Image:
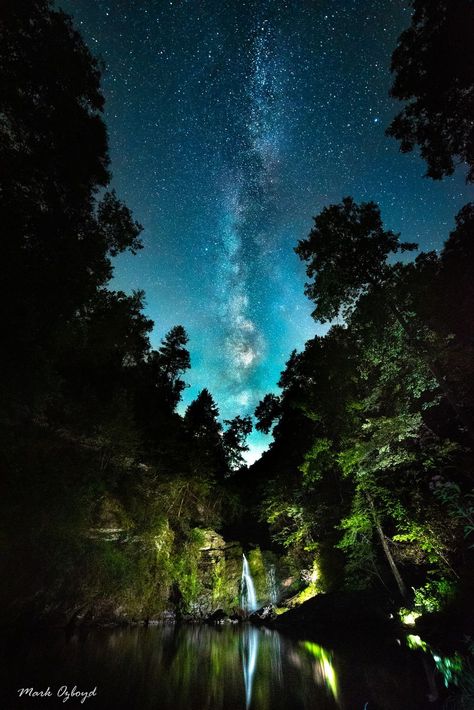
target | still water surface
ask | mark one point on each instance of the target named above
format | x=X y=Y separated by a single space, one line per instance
x=213 y=668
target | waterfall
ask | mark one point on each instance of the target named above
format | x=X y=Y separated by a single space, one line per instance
x=248 y=598
x=272 y=585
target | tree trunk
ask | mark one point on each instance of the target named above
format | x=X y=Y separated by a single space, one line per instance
x=393 y=566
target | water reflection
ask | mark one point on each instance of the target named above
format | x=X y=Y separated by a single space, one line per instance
x=450 y=667
x=324 y=672
x=248 y=653
x=216 y=668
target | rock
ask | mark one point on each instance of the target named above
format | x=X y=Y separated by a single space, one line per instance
x=337 y=614
x=268 y=612
x=263 y=615
x=238 y=616
x=217 y=617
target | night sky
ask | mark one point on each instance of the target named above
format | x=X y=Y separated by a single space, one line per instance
x=232 y=123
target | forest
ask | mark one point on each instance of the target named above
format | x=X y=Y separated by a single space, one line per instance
x=109 y=496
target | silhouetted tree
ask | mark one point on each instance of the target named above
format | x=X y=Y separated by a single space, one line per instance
x=90 y=432
x=203 y=426
x=267 y=412
x=173 y=360
x=157 y=391
x=234 y=441
x=98 y=357
x=346 y=254
x=455 y=302
x=433 y=66
x=54 y=161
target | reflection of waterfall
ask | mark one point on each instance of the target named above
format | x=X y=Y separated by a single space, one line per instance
x=272 y=584
x=276 y=656
x=248 y=598
x=249 y=650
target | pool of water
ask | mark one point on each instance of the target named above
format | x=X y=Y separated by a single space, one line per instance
x=211 y=668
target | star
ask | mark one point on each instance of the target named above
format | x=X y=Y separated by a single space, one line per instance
x=230 y=126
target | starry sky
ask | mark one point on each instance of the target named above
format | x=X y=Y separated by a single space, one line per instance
x=231 y=124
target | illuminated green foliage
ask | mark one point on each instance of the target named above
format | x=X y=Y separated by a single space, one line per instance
x=450 y=667
x=385 y=404
x=434 y=595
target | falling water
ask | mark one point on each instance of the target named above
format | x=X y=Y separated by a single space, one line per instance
x=248 y=598
x=272 y=584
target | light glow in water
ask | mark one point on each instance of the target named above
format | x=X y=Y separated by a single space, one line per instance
x=249 y=652
x=450 y=667
x=325 y=664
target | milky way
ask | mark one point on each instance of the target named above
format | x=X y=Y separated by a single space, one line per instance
x=248 y=207
x=232 y=123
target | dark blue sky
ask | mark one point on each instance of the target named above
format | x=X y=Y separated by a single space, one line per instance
x=232 y=123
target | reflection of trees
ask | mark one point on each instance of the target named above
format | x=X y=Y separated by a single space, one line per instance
x=324 y=672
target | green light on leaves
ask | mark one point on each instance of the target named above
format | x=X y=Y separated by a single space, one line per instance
x=450 y=667
x=415 y=642
x=408 y=617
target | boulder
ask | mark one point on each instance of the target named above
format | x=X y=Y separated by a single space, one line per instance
x=338 y=615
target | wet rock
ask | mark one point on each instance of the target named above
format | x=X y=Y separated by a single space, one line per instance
x=263 y=615
x=217 y=617
x=268 y=612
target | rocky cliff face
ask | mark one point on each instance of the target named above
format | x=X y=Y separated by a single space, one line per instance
x=132 y=579
x=219 y=568
x=219 y=574
x=138 y=547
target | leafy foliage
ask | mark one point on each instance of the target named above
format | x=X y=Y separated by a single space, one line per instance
x=346 y=253
x=388 y=405
x=434 y=73
x=105 y=482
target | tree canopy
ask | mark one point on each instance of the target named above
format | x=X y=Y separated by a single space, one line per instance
x=433 y=69
x=60 y=227
x=346 y=254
